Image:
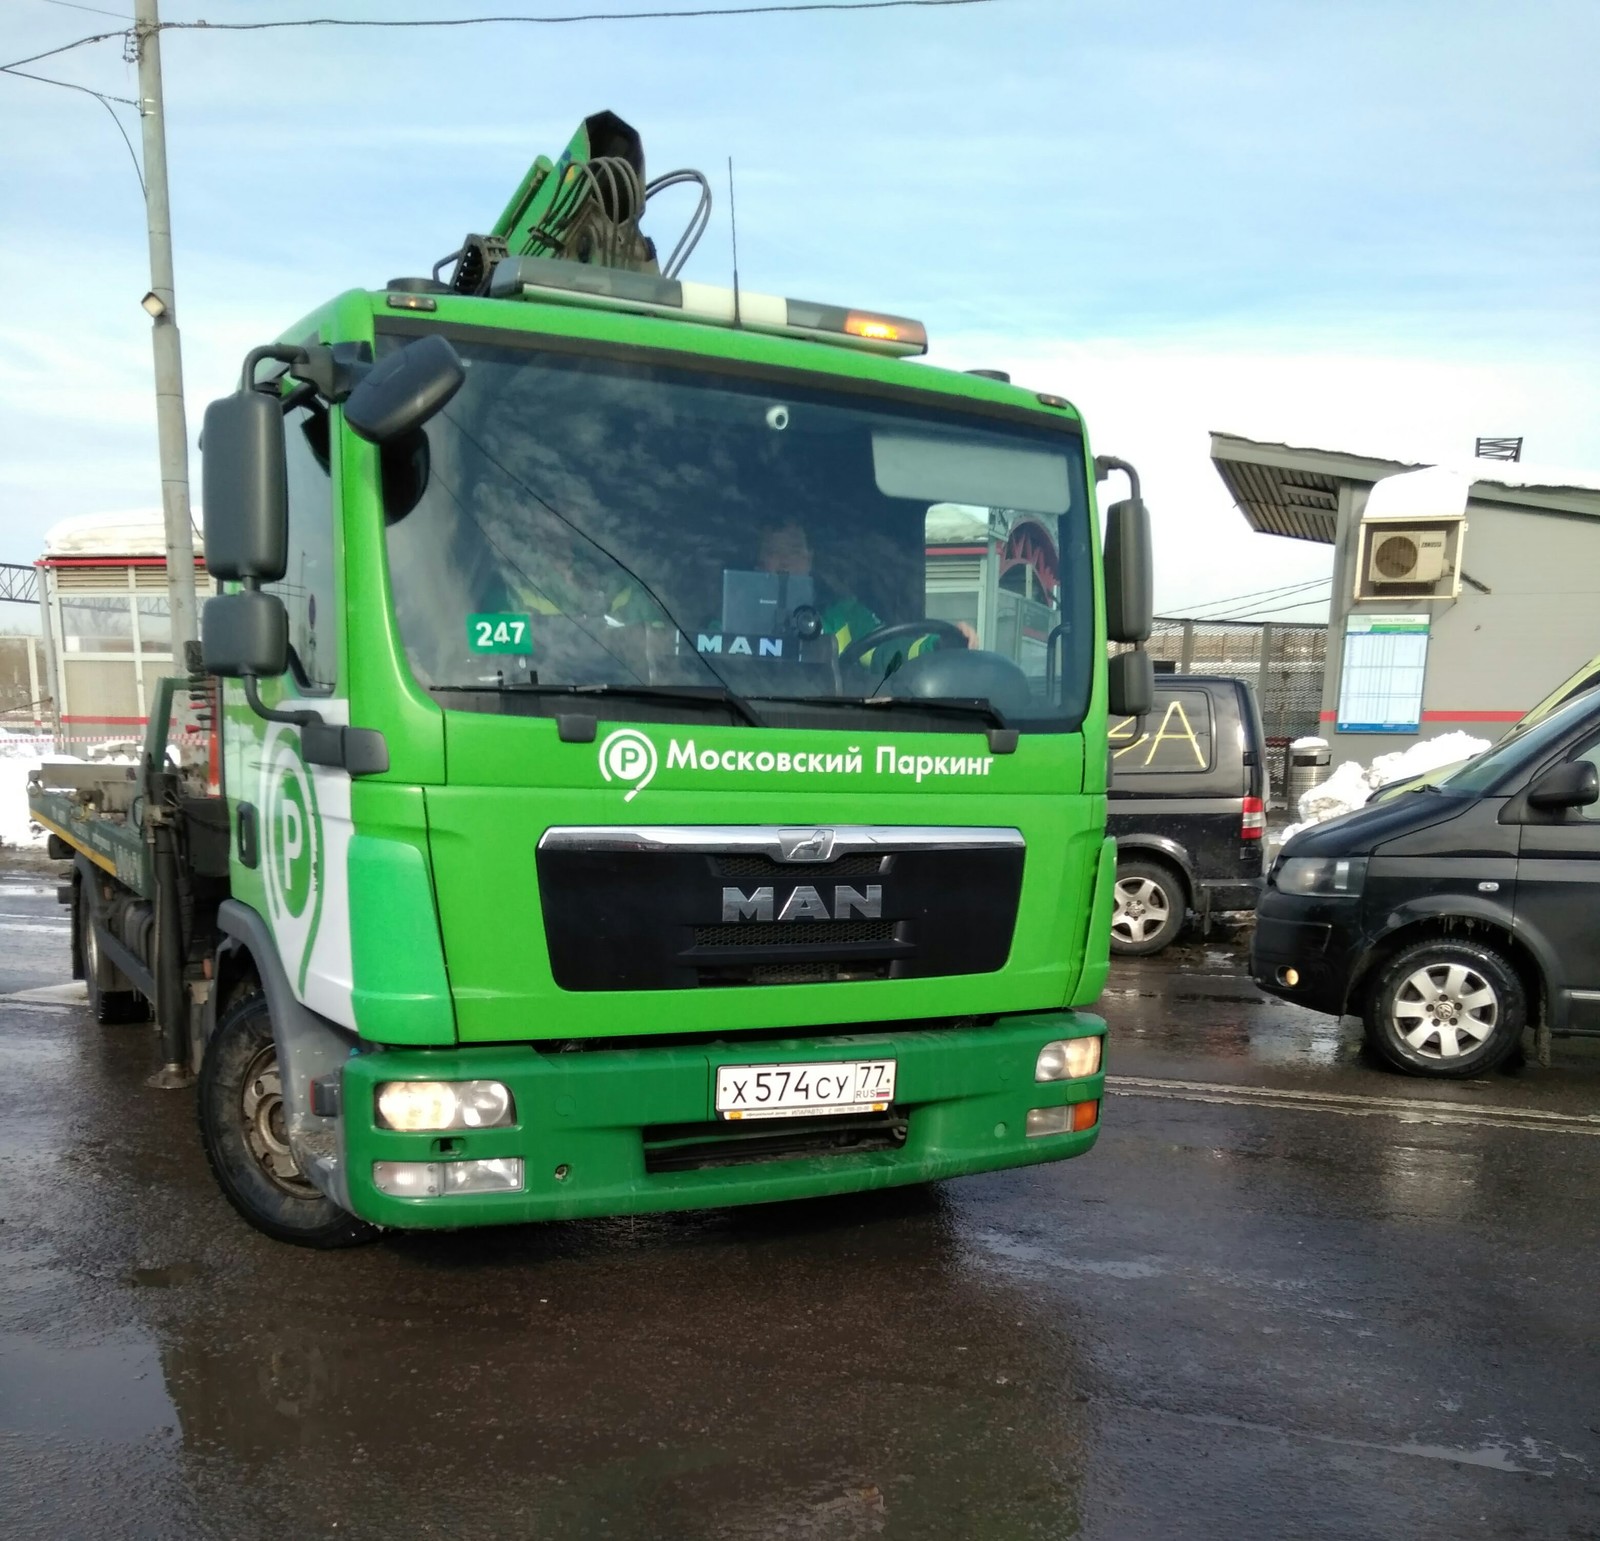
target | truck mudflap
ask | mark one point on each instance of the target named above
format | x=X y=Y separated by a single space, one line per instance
x=634 y=1130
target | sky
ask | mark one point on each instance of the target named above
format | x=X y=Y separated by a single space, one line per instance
x=1366 y=226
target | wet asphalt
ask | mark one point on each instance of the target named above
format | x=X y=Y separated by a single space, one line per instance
x=1288 y=1295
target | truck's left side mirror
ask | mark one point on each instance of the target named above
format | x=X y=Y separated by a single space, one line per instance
x=1130 y=577
x=1130 y=684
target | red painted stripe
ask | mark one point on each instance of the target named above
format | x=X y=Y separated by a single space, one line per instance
x=130 y=722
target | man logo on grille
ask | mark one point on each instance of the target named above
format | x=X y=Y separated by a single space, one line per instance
x=628 y=756
x=805 y=844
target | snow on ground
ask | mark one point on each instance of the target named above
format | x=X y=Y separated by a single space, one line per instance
x=20 y=753
x=1351 y=784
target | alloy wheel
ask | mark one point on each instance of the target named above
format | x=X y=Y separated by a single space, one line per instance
x=1445 y=1010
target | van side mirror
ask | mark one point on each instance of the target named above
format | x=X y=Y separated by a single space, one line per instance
x=1130 y=572
x=1130 y=684
x=244 y=635
x=1572 y=785
x=401 y=392
x=245 y=486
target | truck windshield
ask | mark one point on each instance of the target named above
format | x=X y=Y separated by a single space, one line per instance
x=582 y=523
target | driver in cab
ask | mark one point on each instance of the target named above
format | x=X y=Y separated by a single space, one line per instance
x=786 y=550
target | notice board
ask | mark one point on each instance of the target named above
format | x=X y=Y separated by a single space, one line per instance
x=1380 y=683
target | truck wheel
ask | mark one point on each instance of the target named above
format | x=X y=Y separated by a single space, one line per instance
x=1150 y=905
x=240 y=1104
x=108 y=1006
x=1450 y=1009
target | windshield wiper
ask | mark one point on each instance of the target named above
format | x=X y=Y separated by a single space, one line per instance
x=982 y=710
x=694 y=695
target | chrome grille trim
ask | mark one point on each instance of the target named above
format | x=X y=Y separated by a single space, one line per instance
x=777 y=840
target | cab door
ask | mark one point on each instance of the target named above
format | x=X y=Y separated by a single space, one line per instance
x=1558 y=897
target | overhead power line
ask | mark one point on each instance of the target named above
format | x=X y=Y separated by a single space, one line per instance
x=684 y=13
x=1260 y=596
x=101 y=97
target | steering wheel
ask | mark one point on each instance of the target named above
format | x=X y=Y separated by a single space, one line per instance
x=910 y=630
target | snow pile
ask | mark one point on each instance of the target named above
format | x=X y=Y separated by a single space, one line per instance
x=1350 y=785
x=1430 y=755
x=20 y=754
x=1308 y=743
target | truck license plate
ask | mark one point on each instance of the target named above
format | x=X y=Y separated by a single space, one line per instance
x=793 y=1091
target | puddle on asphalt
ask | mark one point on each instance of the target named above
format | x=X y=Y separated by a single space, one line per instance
x=112 y=1392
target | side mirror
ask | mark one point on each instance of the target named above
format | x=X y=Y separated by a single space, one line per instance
x=1572 y=785
x=1130 y=684
x=400 y=393
x=245 y=484
x=244 y=635
x=1130 y=574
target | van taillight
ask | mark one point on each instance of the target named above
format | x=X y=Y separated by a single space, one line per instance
x=1253 y=821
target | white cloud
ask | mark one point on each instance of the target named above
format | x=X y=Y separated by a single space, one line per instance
x=1155 y=404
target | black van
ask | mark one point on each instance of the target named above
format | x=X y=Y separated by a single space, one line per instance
x=1452 y=916
x=1186 y=804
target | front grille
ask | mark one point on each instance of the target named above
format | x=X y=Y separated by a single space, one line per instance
x=796 y=933
x=693 y=1147
x=858 y=864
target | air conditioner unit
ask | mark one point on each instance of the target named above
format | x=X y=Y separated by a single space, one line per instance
x=1405 y=556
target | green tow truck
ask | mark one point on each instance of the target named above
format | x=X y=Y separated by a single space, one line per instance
x=585 y=800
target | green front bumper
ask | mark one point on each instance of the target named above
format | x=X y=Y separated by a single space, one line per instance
x=600 y=1118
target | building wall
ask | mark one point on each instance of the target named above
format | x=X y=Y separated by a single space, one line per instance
x=1490 y=656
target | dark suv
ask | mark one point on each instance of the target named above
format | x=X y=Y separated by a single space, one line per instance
x=1452 y=916
x=1186 y=806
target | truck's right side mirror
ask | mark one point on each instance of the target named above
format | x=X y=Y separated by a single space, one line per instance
x=245 y=635
x=245 y=484
x=1130 y=684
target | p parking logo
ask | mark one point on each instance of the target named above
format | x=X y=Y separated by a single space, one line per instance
x=629 y=757
x=292 y=850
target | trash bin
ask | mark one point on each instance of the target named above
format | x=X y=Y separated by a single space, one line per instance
x=1309 y=759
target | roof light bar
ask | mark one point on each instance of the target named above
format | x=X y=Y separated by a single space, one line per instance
x=575 y=283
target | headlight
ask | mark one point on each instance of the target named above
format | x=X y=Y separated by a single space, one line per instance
x=413 y=1106
x=1333 y=876
x=1068 y=1058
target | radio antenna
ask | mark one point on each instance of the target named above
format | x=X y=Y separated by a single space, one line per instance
x=733 y=228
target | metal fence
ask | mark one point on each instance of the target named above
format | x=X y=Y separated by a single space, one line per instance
x=1283 y=661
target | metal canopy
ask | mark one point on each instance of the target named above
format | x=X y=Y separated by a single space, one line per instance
x=1287 y=490
x=1282 y=490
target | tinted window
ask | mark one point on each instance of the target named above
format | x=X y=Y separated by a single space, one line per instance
x=307 y=589
x=1516 y=754
x=1175 y=737
x=591 y=523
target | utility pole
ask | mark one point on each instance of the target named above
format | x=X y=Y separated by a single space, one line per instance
x=171 y=429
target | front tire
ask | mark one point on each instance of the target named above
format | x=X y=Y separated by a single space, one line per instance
x=1447 y=1009
x=242 y=1126
x=1149 y=904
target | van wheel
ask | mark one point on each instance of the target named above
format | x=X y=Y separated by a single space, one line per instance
x=1149 y=908
x=108 y=1006
x=1449 y=1009
x=243 y=1129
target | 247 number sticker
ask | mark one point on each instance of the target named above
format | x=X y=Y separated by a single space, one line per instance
x=498 y=634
